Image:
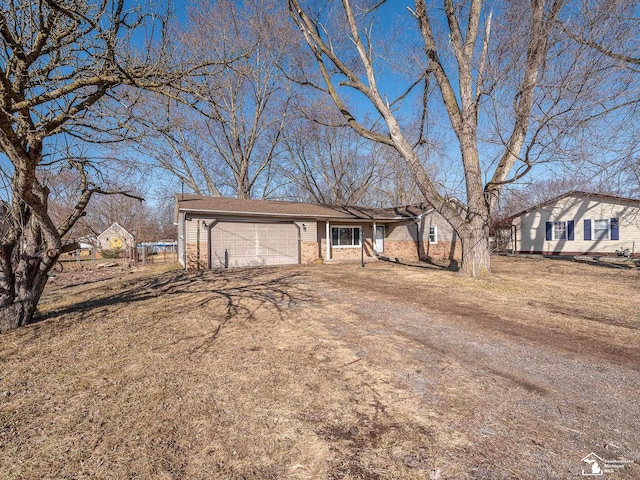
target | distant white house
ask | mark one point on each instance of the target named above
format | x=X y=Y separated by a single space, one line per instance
x=579 y=223
x=115 y=238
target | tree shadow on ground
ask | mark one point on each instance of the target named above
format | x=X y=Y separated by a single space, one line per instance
x=243 y=291
x=425 y=263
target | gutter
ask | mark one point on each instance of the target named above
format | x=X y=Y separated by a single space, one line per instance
x=184 y=242
x=419 y=217
x=297 y=215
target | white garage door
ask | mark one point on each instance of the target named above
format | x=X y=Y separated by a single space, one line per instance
x=252 y=244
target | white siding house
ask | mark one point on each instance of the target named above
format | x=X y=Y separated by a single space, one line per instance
x=579 y=223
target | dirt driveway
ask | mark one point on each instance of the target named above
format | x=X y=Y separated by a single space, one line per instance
x=328 y=372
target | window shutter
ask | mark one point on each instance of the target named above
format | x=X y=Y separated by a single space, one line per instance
x=587 y=229
x=570 y=230
x=615 y=230
x=549 y=231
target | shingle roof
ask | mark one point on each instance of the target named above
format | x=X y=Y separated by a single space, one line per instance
x=274 y=208
x=572 y=193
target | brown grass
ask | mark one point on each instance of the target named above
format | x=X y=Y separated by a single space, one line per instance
x=325 y=372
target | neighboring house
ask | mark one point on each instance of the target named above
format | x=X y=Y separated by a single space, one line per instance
x=217 y=232
x=578 y=223
x=115 y=238
x=84 y=248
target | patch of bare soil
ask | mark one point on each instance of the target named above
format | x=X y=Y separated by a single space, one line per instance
x=326 y=372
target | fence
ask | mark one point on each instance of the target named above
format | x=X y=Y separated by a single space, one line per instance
x=140 y=255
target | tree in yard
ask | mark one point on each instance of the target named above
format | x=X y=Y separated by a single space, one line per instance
x=225 y=138
x=331 y=164
x=506 y=81
x=145 y=221
x=65 y=70
x=610 y=29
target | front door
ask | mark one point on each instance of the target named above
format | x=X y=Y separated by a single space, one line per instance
x=378 y=244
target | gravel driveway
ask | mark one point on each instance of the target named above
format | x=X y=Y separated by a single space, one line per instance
x=518 y=400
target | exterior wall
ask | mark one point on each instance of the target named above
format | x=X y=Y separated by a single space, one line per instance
x=407 y=250
x=193 y=255
x=410 y=240
x=194 y=226
x=407 y=241
x=309 y=252
x=530 y=228
x=345 y=252
x=444 y=250
x=308 y=230
x=309 y=247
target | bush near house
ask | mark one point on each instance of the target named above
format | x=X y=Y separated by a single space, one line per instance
x=112 y=253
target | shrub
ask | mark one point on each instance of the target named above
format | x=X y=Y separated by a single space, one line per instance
x=115 y=253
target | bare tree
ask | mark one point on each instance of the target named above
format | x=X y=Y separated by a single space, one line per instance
x=65 y=66
x=228 y=138
x=396 y=186
x=611 y=30
x=503 y=78
x=331 y=164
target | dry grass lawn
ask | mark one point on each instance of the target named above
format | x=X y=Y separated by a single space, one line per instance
x=329 y=372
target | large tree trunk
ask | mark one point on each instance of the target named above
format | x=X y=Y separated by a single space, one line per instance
x=19 y=309
x=476 y=254
x=30 y=248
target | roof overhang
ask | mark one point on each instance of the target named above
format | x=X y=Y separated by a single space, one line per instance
x=301 y=216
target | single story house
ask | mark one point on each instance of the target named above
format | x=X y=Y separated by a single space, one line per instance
x=218 y=232
x=578 y=223
x=115 y=238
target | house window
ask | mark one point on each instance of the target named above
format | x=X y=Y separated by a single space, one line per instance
x=345 y=236
x=601 y=229
x=433 y=234
x=559 y=230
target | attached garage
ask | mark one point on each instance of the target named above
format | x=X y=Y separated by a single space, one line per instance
x=246 y=244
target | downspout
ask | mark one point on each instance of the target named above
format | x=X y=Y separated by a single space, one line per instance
x=184 y=241
x=198 y=244
x=419 y=217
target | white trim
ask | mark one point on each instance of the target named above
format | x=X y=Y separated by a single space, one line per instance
x=553 y=230
x=328 y=239
x=593 y=229
x=374 y=237
x=435 y=234
x=352 y=227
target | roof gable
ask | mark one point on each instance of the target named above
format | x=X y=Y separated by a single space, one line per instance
x=117 y=229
